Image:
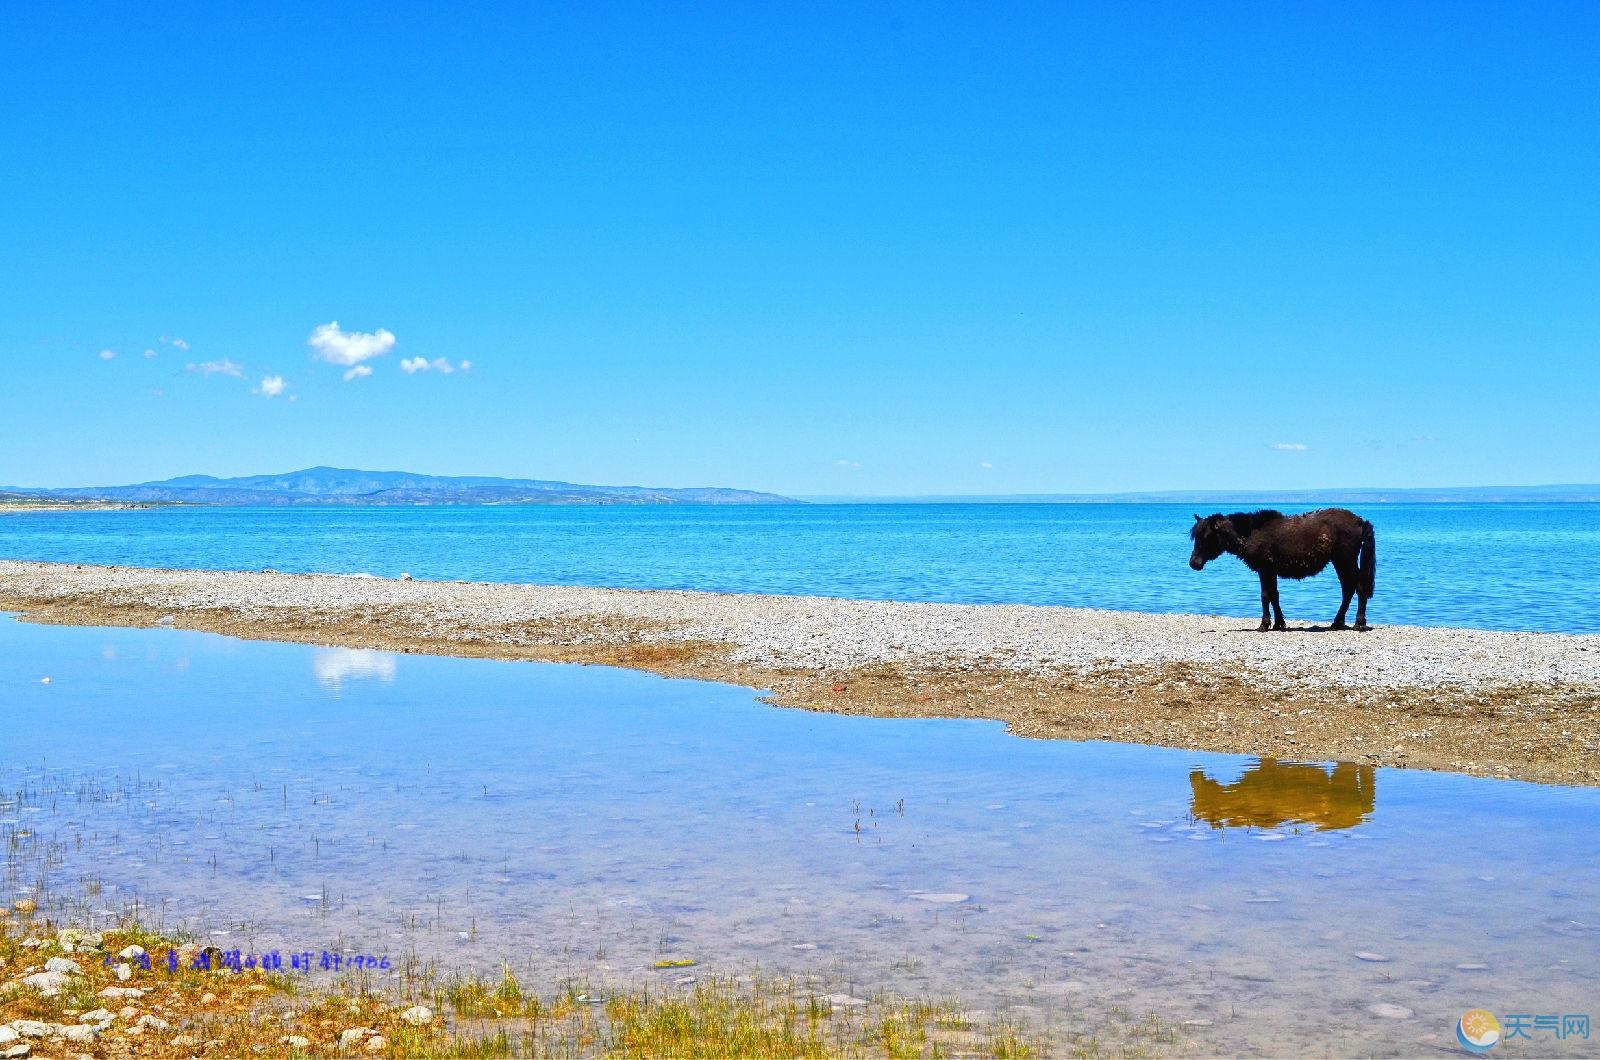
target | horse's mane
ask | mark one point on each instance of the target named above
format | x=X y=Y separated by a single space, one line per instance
x=1245 y=523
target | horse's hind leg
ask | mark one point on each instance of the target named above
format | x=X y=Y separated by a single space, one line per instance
x=1361 y=612
x=1347 y=586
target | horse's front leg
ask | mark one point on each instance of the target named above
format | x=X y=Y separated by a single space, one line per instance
x=1277 y=607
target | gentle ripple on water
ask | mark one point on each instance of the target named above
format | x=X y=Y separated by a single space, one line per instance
x=582 y=820
x=1487 y=566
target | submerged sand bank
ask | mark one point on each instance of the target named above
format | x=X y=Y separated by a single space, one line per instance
x=1523 y=705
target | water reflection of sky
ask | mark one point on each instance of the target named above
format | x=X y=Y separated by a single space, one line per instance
x=588 y=820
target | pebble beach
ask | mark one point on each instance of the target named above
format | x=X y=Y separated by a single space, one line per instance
x=1502 y=704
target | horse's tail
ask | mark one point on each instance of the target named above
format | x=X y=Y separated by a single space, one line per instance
x=1367 y=560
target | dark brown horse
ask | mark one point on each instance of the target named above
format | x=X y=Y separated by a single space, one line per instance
x=1275 y=545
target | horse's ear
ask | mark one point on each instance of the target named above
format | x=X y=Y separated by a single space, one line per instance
x=1197 y=519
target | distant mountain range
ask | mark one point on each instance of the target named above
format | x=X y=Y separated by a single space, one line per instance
x=337 y=486
x=1560 y=494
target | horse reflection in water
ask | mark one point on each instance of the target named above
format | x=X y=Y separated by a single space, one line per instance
x=1272 y=793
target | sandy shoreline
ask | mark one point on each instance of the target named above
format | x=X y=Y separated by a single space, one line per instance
x=1523 y=705
x=22 y=507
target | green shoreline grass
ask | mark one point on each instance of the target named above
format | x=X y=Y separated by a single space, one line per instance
x=428 y=1014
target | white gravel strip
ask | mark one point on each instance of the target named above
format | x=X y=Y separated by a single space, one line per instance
x=830 y=634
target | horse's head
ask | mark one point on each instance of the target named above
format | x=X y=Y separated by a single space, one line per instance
x=1211 y=537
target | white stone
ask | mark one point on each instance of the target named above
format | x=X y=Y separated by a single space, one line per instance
x=62 y=965
x=132 y=953
x=98 y=1015
x=1384 y=1010
x=417 y=1015
x=47 y=983
x=114 y=992
x=355 y=1036
x=843 y=1000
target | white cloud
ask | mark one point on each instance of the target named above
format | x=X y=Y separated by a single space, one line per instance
x=413 y=365
x=466 y=366
x=1290 y=447
x=985 y=465
x=222 y=367
x=842 y=462
x=347 y=348
x=106 y=355
x=271 y=386
x=149 y=354
x=333 y=666
x=360 y=371
x=177 y=344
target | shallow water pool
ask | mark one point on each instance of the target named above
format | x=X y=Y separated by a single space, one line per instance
x=585 y=821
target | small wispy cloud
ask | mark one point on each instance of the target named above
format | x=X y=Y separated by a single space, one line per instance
x=337 y=346
x=986 y=465
x=360 y=371
x=413 y=365
x=106 y=355
x=175 y=343
x=842 y=462
x=334 y=666
x=271 y=386
x=222 y=367
x=149 y=354
x=1289 y=447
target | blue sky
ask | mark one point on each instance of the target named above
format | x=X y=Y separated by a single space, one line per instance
x=818 y=249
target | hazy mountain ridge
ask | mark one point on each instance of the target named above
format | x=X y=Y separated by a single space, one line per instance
x=328 y=486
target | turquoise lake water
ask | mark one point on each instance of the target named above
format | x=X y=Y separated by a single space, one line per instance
x=586 y=822
x=1489 y=566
